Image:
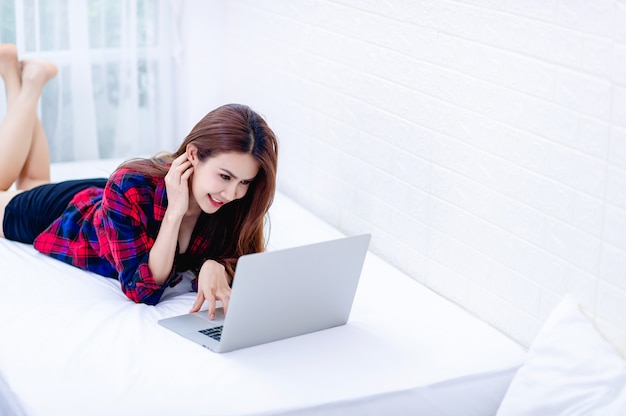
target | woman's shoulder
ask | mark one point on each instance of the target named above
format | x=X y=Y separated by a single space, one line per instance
x=131 y=175
x=131 y=187
x=126 y=179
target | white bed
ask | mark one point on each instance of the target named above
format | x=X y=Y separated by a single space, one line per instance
x=73 y=344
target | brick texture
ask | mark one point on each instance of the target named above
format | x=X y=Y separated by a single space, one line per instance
x=482 y=142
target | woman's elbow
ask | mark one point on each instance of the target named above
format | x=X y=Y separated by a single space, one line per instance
x=139 y=292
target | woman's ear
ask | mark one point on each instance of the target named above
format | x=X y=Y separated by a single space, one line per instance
x=192 y=154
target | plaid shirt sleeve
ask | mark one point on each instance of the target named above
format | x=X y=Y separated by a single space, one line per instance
x=130 y=228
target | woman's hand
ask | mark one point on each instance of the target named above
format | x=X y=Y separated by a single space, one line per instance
x=177 y=185
x=213 y=285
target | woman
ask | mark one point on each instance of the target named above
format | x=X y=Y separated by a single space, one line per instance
x=199 y=208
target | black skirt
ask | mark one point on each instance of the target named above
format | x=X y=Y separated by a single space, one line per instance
x=30 y=212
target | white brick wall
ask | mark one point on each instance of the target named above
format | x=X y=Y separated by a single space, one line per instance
x=482 y=142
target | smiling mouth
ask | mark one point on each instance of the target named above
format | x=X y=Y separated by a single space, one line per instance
x=215 y=202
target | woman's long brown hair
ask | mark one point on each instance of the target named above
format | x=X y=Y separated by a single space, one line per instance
x=237 y=227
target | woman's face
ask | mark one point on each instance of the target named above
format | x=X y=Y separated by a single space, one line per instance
x=220 y=179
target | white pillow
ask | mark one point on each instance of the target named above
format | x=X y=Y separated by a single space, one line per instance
x=570 y=370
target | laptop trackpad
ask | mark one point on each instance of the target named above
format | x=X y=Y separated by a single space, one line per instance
x=204 y=315
x=193 y=322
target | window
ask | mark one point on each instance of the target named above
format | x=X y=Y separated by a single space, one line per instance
x=115 y=93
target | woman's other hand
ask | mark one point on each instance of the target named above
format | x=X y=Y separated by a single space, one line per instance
x=177 y=185
x=213 y=285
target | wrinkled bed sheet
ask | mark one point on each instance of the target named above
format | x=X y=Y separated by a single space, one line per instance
x=73 y=344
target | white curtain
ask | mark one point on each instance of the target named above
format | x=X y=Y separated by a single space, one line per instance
x=116 y=92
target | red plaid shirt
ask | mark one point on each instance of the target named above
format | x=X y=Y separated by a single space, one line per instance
x=110 y=231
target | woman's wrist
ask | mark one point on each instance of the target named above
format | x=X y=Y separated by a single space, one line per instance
x=173 y=216
x=217 y=267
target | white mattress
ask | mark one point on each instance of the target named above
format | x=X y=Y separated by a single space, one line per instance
x=73 y=344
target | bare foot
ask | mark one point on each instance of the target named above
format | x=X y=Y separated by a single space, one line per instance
x=9 y=65
x=37 y=72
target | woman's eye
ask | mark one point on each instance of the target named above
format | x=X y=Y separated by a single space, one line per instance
x=244 y=182
x=225 y=177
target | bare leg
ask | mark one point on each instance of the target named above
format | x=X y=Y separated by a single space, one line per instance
x=22 y=142
x=23 y=145
x=11 y=72
x=36 y=169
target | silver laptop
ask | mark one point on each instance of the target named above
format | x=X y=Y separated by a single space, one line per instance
x=281 y=294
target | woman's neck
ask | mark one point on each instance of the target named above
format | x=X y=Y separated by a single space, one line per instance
x=193 y=212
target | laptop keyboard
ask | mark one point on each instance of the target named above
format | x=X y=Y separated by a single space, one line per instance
x=215 y=333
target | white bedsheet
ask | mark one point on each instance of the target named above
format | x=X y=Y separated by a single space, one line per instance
x=72 y=344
